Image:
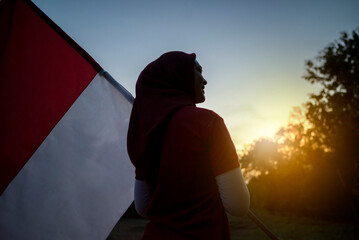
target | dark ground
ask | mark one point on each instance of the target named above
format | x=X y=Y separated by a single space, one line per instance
x=284 y=226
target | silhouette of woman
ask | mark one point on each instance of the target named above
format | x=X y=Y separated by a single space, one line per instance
x=187 y=169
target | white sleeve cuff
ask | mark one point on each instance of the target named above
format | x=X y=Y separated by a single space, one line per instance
x=234 y=192
x=141 y=197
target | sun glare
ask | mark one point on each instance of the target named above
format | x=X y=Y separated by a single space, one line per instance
x=265 y=130
x=244 y=136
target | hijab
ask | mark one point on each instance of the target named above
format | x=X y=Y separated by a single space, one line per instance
x=163 y=87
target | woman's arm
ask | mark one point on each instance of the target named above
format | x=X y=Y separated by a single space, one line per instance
x=141 y=197
x=234 y=192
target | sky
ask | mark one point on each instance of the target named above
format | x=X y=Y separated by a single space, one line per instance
x=253 y=53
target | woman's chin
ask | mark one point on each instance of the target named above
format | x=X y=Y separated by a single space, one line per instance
x=201 y=100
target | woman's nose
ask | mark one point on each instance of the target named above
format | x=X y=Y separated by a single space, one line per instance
x=204 y=81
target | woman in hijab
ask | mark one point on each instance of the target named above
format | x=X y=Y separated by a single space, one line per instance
x=187 y=169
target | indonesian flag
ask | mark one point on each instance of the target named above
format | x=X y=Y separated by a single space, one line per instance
x=64 y=168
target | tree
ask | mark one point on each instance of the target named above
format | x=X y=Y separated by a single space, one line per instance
x=260 y=157
x=334 y=111
x=336 y=106
x=312 y=166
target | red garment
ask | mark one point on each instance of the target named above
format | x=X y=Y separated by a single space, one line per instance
x=186 y=203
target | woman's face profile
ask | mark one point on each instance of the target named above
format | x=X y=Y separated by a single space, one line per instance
x=199 y=83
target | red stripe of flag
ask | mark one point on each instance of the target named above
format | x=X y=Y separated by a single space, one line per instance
x=42 y=72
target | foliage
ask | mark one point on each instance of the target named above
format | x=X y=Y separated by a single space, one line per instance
x=312 y=165
x=335 y=109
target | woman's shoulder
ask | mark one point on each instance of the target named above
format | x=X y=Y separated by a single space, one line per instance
x=193 y=112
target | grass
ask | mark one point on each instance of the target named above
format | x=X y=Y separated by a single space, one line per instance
x=292 y=228
x=286 y=227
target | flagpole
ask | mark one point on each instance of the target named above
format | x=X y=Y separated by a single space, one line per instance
x=262 y=226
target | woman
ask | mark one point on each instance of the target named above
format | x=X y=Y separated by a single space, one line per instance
x=187 y=170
